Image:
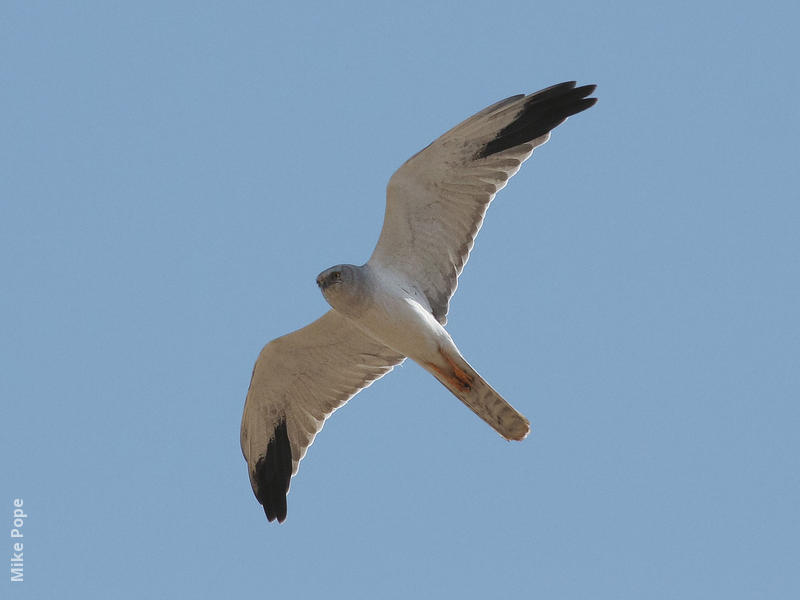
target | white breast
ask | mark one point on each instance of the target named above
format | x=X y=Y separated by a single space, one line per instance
x=399 y=317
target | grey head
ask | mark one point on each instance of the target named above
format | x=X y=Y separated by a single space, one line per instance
x=342 y=287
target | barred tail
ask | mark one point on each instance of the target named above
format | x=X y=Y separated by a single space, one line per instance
x=468 y=386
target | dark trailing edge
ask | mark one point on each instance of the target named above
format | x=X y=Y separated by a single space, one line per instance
x=540 y=113
x=273 y=473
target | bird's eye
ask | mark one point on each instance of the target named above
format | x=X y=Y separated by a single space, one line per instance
x=337 y=275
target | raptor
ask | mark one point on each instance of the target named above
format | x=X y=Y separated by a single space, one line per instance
x=395 y=305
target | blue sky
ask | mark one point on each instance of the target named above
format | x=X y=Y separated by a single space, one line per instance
x=176 y=174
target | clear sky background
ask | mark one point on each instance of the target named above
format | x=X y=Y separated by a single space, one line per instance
x=174 y=177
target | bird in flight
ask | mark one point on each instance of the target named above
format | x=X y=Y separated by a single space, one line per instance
x=395 y=305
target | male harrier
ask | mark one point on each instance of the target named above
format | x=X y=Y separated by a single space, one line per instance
x=394 y=307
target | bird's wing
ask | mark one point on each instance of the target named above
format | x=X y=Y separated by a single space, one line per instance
x=298 y=381
x=436 y=201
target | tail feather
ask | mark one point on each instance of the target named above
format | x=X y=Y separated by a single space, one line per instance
x=468 y=386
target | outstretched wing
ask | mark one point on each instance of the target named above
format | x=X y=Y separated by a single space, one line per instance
x=436 y=201
x=298 y=381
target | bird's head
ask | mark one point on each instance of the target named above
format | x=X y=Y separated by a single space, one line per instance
x=334 y=276
x=339 y=285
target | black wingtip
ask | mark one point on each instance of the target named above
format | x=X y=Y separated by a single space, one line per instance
x=273 y=473
x=541 y=112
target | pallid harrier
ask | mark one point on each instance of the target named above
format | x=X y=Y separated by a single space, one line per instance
x=395 y=306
